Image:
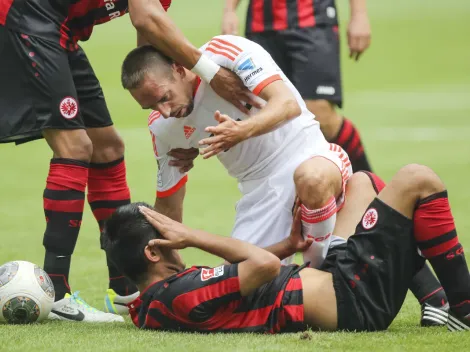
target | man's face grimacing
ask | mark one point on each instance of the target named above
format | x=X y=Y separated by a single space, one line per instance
x=170 y=93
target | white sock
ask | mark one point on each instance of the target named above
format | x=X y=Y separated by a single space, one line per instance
x=319 y=225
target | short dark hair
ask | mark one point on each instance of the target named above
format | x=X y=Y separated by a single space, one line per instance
x=141 y=61
x=125 y=236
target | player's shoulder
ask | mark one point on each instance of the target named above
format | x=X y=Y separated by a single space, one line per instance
x=159 y=125
x=230 y=48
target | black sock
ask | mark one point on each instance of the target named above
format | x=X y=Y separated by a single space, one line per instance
x=436 y=237
x=59 y=267
x=64 y=199
x=349 y=139
x=427 y=289
x=118 y=282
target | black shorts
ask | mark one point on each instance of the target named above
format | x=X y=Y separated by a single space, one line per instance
x=309 y=57
x=43 y=86
x=373 y=270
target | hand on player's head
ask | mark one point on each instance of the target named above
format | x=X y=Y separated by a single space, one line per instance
x=175 y=235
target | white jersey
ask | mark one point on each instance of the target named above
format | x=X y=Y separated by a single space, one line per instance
x=253 y=159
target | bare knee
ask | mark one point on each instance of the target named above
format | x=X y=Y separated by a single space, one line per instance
x=419 y=181
x=69 y=144
x=325 y=113
x=316 y=185
x=360 y=181
x=107 y=144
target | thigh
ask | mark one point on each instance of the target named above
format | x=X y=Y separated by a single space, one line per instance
x=39 y=91
x=93 y=106
x=315 y=62
x=373 y=272
x=264 y=216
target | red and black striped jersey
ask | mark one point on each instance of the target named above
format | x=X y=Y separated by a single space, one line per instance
x=278 y=15
x=66 y=21
x=208 y=300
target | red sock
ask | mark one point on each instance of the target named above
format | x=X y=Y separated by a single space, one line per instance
x=64 y=199
x=350 y=140
x=436 y=237
x=108 y=190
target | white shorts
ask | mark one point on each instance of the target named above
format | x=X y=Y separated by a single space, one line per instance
x=264 y=213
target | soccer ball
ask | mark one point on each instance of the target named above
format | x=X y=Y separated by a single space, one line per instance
x=26 y=293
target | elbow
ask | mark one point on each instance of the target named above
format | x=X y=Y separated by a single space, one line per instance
x=269 y=266
x=293 y=108
x=140 y=22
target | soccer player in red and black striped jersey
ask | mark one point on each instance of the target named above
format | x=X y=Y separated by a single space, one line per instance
x=363 y=290
x=302 y=37
x=48 y=90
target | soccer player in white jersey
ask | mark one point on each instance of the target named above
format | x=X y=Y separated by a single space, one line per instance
x=275 y=153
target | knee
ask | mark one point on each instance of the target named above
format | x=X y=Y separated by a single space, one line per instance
x=109 y=148
x=420 y=180
x=359 y=180
x=73 y=144
x=313 y=188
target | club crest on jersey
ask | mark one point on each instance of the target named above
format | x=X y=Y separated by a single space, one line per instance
x=210 y=273
x=370 y=218
x=248 y=64
x=188 y=131
x=68 y=108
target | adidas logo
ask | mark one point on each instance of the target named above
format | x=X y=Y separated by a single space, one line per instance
x=188 y=131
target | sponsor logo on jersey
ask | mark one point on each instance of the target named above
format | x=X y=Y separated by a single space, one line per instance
x=110 y=6
x=210 y=273
x=253 y=74
x=246 y=65
x=326 y=90
x=188 y=131
x=68 y=108
x=370 y=218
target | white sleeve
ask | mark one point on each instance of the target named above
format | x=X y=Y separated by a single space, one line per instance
x=253 y=64
x=169 y=178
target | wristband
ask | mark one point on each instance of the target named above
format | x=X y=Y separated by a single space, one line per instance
x=205 y=68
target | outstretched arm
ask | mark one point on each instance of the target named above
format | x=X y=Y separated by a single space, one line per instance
x=255 y=265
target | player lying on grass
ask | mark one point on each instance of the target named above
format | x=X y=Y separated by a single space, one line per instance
x=275 y=152
x=363 y=291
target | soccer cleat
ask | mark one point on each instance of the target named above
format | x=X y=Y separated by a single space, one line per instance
x=455 y=323
x=113 y=303
x=74 y=308
x=432 y=316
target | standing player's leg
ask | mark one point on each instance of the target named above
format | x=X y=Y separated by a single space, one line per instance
x=418 y=193
x=107 y=184
x=320 y=183
x=316 y=73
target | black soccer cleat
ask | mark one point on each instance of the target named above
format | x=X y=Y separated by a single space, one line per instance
x=455 y=323
x=433 y=316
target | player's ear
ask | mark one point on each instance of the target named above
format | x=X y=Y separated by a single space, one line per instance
x=179 y=69
x=152 y=254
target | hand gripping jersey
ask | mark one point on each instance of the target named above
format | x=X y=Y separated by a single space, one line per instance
x=208 y=299
x=253 y=159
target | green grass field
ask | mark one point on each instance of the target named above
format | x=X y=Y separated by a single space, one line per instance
x=410 y=97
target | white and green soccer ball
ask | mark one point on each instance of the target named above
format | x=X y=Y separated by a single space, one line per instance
x=26 y=293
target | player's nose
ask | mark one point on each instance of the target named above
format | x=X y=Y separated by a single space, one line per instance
x=165 y=110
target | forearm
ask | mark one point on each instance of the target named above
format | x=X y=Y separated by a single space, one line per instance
x=358 y=7
x=153 y=23
x=232 y=250
x=273 y=114
x=231 y=5
x=282 y=249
